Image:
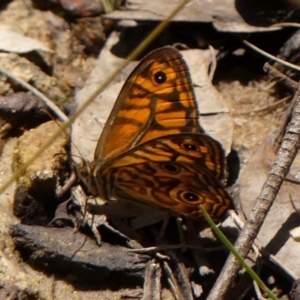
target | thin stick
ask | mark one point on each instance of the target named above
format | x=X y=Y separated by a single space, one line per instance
x=279 y=77
x=292 y=180
x=281 y=61
x=269 y=107
x=284 y=158
x=176 y=246
x=286 y=24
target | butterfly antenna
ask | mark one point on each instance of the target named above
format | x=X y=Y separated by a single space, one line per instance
x=80 y=156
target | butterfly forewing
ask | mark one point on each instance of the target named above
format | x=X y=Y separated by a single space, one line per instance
x=156 y=100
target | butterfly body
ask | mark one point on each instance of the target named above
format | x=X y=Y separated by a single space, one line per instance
x=153 y=150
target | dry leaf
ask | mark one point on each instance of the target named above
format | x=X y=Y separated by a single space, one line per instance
x=11 y=41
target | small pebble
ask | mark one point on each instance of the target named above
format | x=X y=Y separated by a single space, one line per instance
x=82 y=8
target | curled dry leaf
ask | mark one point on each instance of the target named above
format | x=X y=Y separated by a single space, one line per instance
x=11 y=41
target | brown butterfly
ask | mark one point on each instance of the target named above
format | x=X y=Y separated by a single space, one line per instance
x=152 y=148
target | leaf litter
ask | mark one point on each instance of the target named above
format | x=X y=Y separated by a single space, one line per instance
x=240 y=86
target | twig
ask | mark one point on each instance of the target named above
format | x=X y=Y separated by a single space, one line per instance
x=181 y=234
x=176 y=246
x=281 y=61
x=284 y=158
x=268 y=107
x=295 y=181
x=279 y=77
x=286 y=24
x=202 y=261
x=183 y=277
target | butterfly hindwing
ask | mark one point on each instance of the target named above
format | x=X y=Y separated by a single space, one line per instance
x=192 y=148
x=178 y=187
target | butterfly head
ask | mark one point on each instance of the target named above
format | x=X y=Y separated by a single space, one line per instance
x=85 y=173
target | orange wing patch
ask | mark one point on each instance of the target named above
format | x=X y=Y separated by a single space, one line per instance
x=157 y=99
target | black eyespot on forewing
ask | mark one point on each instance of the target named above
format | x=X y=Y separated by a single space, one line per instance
x=160 y=77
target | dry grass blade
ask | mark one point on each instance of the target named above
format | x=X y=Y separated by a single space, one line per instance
x=285 y=63
x=285 y=156
x=267 y=108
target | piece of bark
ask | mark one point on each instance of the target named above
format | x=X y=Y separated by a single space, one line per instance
x=77 y=257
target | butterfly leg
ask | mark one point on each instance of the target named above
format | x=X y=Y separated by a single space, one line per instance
x=164 y=227
x=87 y=219
x=95 y=212
x=180 y=231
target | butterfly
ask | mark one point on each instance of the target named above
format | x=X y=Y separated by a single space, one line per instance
x=153 y=150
